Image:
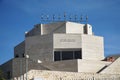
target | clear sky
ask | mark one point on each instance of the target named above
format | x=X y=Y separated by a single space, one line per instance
x=18 y=16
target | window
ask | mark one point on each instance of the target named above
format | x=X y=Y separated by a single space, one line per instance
x=16 y=56
x=57 y=55
x=8 y=74
x=85 y=29
x=77 y=55
x=23 y=55
x=67 y=55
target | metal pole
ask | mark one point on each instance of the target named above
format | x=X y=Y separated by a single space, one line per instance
x=27 y=56
x=20 y=69
x=26 y=67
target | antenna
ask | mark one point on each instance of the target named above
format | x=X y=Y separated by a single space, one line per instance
x=70 y=17
x=41 y=17
x=75 y=17
x=53 y=17
x=47 y=17
x=59 y=17
x=81 y=18
x=65 y=16
x=86 y=18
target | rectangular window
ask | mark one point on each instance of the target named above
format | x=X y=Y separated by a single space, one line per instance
x=66 y=55
x=78 y=55
x=57 y=56
x=16 y=56
x=23 y=55
x=8 y=75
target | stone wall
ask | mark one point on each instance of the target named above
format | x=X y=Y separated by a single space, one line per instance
x=57 y=75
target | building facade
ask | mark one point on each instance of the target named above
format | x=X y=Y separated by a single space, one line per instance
x=60 y=46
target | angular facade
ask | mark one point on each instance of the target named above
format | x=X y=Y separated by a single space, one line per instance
x=61 y=41
x=60 y=46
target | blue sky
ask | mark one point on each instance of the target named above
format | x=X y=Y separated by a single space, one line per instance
x=18 y=16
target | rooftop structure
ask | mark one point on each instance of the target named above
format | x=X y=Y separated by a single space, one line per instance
x=61 y=38
x=60 y=46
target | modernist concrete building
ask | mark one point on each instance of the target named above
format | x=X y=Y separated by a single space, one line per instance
x=61 y=50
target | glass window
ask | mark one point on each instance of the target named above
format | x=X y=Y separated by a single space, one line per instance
x=67 y=55
x=57 y=55
x=77 y=55
x=23 y=55
x=16 y=56
x=8 y=75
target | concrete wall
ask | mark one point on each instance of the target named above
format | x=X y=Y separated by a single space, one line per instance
x=92 y=47
x=91 y=66
x=66 y=65
x=35 y=31
x=60 y=29
x=67 y=41
x=113 y=68
x=7 y=67
x=40 y=47
x=19 y=49
x=52 y=27
x=76 y=65
x=74 y=28
x=57 y=27
x=19 y=66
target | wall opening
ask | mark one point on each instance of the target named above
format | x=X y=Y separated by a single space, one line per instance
x=85 y=29
x=8 y=74
x=67 y=55
x=16 y=56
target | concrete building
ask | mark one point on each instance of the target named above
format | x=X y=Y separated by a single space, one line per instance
x=60 y=47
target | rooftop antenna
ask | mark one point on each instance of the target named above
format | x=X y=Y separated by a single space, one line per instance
x=53 y=17
x=59 y=17
x=42 y=17
x=70 y=17
x=47 y=17
x=65 y=16
x=81 y=18
x=86 y=18
x=75 y=17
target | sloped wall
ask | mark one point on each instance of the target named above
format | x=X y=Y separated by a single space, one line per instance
x=91 y=66
x=113 y=68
